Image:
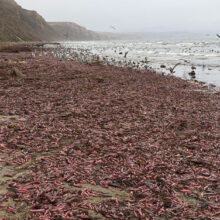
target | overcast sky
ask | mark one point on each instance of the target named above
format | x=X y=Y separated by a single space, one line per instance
x=132 y=15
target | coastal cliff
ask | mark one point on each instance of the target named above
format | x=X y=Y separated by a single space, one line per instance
x=70 y=31
x=18 y=24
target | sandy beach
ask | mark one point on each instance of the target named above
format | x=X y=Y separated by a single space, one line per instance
x=86 y=141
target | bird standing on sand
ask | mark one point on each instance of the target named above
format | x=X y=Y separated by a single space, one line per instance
x=192 y=73
x=126 y=53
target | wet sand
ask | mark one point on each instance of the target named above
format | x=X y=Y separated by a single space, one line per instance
x=86 y=141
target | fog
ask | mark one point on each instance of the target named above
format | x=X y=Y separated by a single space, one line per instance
x=132 y=15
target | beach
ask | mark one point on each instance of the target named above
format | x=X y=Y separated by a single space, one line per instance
x=88 y=141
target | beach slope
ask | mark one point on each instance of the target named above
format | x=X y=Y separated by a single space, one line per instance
x=86 y=141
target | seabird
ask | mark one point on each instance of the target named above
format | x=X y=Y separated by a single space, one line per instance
x=112 y=27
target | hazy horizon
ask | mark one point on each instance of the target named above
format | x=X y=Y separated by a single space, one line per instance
x=131 y=15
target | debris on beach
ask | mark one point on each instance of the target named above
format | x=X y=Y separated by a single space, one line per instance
x=82 y=141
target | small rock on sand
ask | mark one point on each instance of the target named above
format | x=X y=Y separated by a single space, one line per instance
x=16 y=73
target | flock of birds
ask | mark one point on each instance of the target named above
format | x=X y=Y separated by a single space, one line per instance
x=84 y=55
x=119 y=57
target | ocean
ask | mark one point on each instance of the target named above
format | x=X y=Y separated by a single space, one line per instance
x=161 y=52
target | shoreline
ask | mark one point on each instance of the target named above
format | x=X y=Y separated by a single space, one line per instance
x=69 y=54
x=137 y=56
x=101 y=142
